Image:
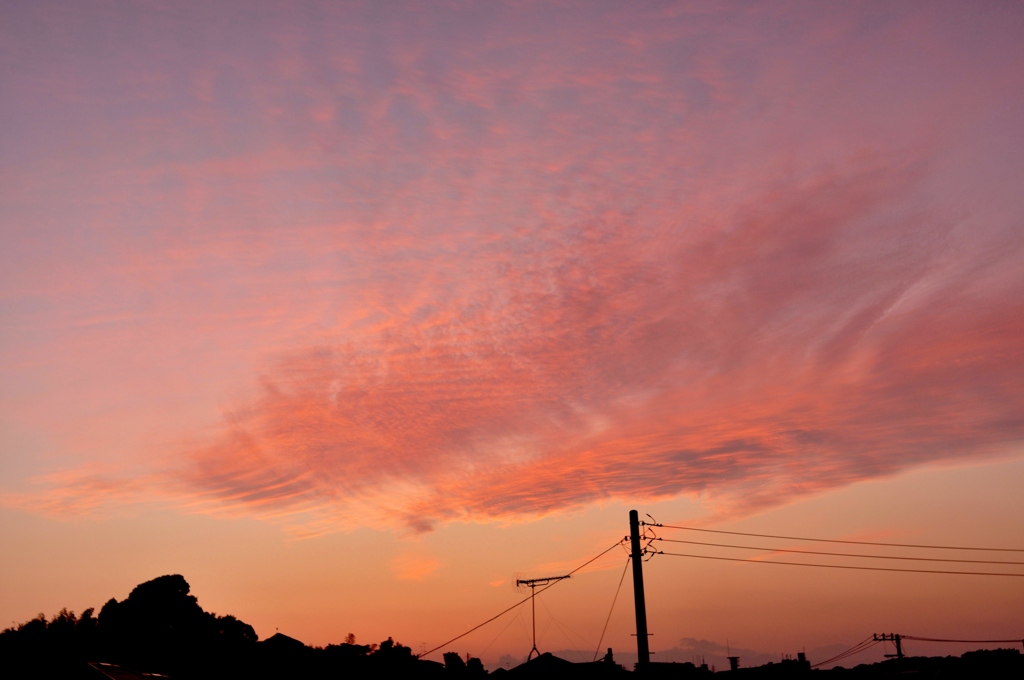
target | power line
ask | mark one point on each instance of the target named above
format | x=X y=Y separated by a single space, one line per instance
x=517 y=604
x=867 y=643
x=837 y=554
x=830 y=540
x=842 y=566
x=507 y=626
x=925 y=639
x=861 y=646
x=593 y=559
x=564 y=627
x=610 y=610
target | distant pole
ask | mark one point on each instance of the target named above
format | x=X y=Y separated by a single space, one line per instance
x=891 y=637
x=643 y=651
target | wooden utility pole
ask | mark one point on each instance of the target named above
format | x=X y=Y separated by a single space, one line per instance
x=643 y=650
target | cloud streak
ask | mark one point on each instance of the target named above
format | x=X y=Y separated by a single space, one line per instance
x=785 y=355
x=509 y=271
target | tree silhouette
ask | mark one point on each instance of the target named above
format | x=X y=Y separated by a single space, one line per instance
x=160 y=627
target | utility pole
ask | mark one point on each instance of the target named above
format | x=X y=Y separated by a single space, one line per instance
x=643 y=650
x=894 y=638
x=533 y=583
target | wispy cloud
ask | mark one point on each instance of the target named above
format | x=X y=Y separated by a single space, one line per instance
x=409 y=567
x=506 y=273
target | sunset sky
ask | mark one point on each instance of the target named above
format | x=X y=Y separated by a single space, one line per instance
x=350 y=312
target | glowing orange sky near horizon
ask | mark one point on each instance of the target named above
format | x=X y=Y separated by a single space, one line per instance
x=341 y=268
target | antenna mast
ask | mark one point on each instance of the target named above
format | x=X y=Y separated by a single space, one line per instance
x=533 y=583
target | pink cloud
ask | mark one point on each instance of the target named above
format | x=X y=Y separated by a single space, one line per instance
x=409 y=567
x=796 y=348
x=511 y=270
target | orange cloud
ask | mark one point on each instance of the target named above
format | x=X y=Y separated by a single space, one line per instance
x=787 y=352
x=557 y=273
x=413 y=567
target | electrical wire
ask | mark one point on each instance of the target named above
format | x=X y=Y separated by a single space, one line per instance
x=523 y=628
x=925 y=639
x=566 y=630
x=518 y=604
x=852 y=652
x=838 y=554
x=856 y=649
x=592 y=559
x=507 y=625
x=829 y=540
x=610 y=610
x=872 y=641
x=543 y=632
x=861 y=646
x=842 y=566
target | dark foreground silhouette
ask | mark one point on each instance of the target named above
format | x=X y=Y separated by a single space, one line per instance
x=160 y=630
